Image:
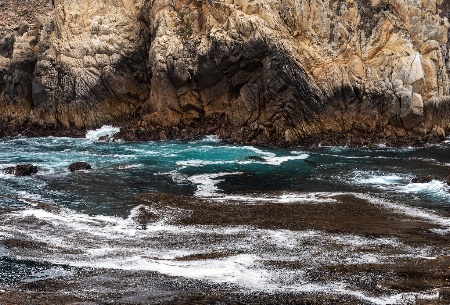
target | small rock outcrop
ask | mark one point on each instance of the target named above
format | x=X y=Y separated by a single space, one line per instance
x=256 y=158
x=21 y=170
x=423 y=179
x=76 y=166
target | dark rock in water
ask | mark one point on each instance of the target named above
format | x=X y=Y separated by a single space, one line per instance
x=256 y=158
x=21 y=170
x=448 y=180
x=79 y=166
x=106 y=138
x=422 y=179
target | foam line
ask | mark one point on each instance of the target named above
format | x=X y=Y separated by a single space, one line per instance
x=118 y=243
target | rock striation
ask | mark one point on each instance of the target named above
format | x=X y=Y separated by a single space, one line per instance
x=277 y=72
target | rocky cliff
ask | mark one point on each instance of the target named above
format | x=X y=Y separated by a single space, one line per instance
x=276 y=72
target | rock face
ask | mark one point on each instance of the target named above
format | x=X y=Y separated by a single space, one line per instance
x=278 y=72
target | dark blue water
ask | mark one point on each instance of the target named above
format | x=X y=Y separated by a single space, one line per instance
x=100 y=203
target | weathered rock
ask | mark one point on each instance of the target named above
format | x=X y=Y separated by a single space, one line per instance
x=422 y=179
x=263 y=71
x=21 y=170
x=79 y=166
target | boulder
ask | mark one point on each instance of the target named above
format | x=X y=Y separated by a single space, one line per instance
x=422 y=179
x=21 y=170
x=79 y=166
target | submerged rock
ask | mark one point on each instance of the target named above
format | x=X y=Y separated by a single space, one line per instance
x=310 y=162
x=256 y=158
x=21 y=170
x=79 y=166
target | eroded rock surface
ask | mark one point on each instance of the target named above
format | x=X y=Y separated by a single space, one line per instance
x=278 y=72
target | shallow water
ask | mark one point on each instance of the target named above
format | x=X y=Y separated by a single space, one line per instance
x=55 y=220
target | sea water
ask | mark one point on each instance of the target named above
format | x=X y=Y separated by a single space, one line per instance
x=85 y=219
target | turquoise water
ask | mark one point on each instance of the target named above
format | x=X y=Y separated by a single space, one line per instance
x=98 y=204
x=210 y=168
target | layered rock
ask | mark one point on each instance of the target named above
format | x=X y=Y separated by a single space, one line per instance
x=278 y=72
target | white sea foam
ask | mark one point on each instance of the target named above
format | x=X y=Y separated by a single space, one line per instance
x=25 y=194
x=407 y=210
x=268 y=159
x=287 y=198
x=237 y=269
x=210 y=139
x=106 y=130
x=401 y=184
x=207 y=183
x=3 y=249
x=6 y=176
x=48 y=273
x=379 y=179
x=118 y=243
x=199 y=163
x=271 y=158
x=281 y=160
x=176 y=176
x=129 y=166
x=434 y=187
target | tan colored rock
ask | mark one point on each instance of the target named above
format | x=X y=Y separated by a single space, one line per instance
x=4 y=63
x=277 y=71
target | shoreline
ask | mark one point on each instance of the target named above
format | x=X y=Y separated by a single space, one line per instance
x=187 y=133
